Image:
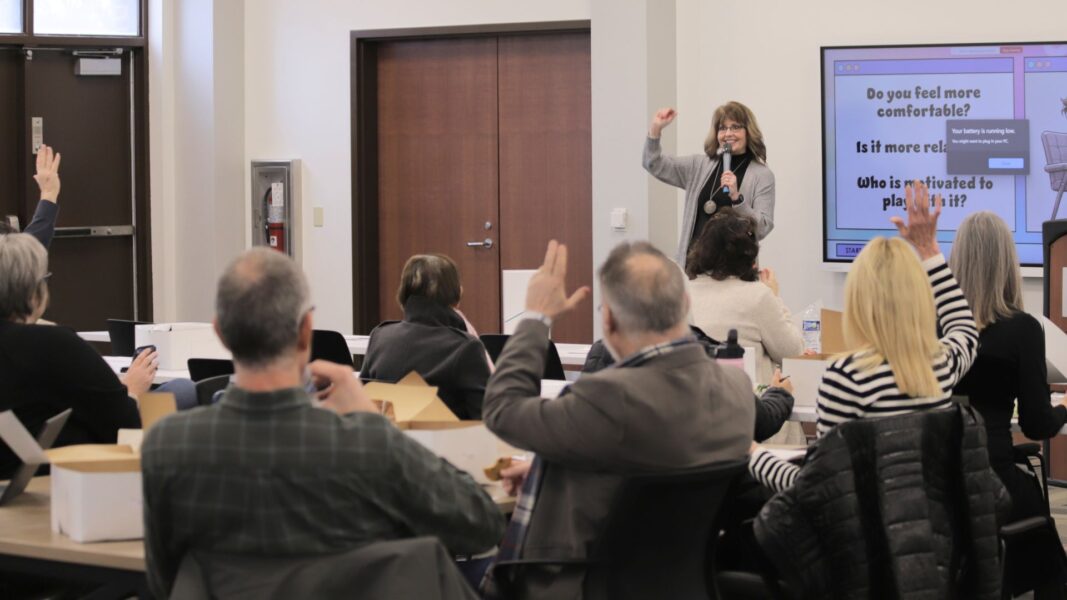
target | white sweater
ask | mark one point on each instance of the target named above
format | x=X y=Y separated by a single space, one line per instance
x=761 y=319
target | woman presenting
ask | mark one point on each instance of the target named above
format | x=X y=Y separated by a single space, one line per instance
x=748 y=185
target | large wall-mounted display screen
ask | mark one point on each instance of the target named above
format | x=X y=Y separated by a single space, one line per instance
x=978 y=123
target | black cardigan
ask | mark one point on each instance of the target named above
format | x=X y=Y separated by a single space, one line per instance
x=46 y=370
x=431 y=340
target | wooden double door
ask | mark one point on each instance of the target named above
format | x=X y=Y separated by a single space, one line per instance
x=483 y=150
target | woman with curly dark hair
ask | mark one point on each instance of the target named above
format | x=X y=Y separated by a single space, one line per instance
x=729 y=291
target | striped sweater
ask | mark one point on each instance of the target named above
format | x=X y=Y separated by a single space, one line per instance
x=847 y=393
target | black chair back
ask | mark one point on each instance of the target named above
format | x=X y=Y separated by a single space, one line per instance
x=661 y=534
x=494 y=344
x=331 y=346
x=406 y=568
x=203 y=368
x=121 y=334
x=206 y=388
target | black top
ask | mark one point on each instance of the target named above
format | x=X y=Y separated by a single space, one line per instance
x=433 y=341
x=1010 y=365
x=47 y=369
x=43 y=225
x=738 y=164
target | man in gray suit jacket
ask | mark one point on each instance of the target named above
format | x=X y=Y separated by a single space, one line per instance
x=664 y=406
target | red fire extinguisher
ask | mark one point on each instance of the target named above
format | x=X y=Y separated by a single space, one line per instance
x=275 y=222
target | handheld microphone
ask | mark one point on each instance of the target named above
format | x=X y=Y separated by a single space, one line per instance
x=724 y=150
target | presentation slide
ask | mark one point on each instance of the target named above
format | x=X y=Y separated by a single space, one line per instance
x=977 y=123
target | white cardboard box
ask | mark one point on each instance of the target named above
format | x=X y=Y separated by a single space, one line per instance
x=178 y=342
x=806 y=375
x=96 y=488
x=97 y=497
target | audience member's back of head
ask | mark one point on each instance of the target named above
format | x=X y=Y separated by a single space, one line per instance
x=431 y=276
x=987 y=268
x=261 y=301
x=727 y=247
x=889 y=312
x=23 y=271
x=644 y=288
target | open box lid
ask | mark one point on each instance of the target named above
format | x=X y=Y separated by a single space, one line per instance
x=113 y=458
x=411 y=400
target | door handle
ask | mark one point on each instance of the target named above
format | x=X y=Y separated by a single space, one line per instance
x=100 y=231
x=486 y=243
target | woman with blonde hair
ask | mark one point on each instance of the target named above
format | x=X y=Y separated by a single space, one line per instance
x=893 y=306
x=1010 y=368
x=747 y=185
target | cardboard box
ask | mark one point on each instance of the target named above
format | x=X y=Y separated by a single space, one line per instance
x=96 y=488
x=178 y=342
x=806 y=374
x=415 y=408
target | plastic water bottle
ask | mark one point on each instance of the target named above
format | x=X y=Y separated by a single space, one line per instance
x=811 y=325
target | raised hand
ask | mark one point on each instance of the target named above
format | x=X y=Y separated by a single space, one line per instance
x=921 y=228
x=546 y=292
x=766 y=275
x=47 y=176
x=661 y=119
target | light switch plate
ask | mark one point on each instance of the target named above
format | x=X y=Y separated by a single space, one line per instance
x=317 y=216
x=618 y=219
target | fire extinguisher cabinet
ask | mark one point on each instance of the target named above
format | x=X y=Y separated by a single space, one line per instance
x=276 y=210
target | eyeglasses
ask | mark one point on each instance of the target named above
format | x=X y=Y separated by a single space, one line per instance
x=731 y=128
x=46 y=277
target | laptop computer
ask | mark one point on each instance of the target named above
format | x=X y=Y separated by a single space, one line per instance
x=45 y=439
x=122 y=336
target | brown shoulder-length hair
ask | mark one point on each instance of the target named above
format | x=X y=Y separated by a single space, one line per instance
x=432 y=276
x=742 y=115
x=727 y=247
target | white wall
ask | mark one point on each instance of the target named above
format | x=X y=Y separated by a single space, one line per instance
x=765 y=54
x=196 y=136
x=298 y=105
x=293 y=59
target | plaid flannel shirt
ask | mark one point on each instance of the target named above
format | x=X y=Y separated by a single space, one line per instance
x=268 y=474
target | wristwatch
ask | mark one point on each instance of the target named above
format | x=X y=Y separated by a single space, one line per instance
x=740 y=199
x=538 y=316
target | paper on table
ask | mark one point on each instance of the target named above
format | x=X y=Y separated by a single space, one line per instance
x=513 y=296
x=19 y=440
x=787 y=453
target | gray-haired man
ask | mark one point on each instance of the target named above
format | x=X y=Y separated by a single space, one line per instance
x=265 y=473
x=663 y=406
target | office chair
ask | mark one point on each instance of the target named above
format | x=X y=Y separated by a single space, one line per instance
x=207 y=388
x=121 y=333
x=658 y=538
x=407 y=568
x=203 y=368
x=1055 y=144
x=331 y=346
x=494 y=344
